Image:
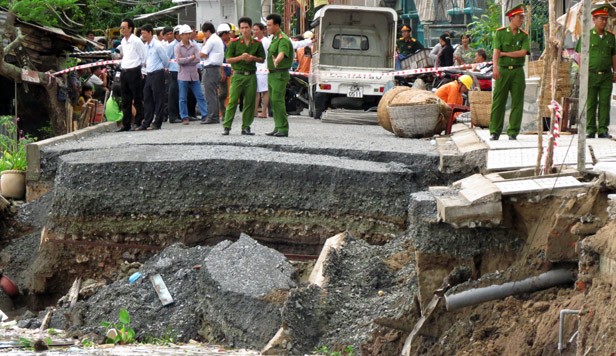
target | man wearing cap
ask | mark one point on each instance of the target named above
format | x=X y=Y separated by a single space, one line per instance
x=243 y=52
x=511 y=46
x=601 y=74
x=173 y=97
x=451 y=93
x=187 y=55
x=406 y=45
x=279 y=60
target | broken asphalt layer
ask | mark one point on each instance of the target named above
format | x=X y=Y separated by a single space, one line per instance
x=189 y=184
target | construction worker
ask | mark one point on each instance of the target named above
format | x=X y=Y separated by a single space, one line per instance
x=601 y=74
x=406 y=45
x=279 y=60
x=451 y=93
x=243 y=52
x=511 y=46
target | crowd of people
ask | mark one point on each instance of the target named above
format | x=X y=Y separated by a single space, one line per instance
x=179 y=75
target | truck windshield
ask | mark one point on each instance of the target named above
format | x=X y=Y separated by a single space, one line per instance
x=350 y=42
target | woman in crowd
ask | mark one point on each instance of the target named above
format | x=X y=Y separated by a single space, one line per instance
x=464 y=53
x=445 y=56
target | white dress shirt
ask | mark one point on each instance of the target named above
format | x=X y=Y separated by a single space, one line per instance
x=215 y=50
x=300 y=44
x=133 y=52
x=265 y=41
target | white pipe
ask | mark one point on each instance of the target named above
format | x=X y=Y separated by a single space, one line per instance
x=481 y=295
x=561 y=327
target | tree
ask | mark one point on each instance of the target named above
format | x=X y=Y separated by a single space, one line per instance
x=14 y=37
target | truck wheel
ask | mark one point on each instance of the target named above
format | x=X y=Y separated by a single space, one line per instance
x=319 y=104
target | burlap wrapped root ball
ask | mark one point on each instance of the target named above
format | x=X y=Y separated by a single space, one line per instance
x=411 y=119
x=381 y=111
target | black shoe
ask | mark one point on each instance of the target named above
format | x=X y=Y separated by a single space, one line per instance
x=174 y=121
x=604 y=135
x=271 y=133
x=192 y=118
x=494 y=137
x=123 y=129
x=226 y=132
x=207 y=122
x=247 y=132
x=513 y=137
x=281 y=134
x=590 y=135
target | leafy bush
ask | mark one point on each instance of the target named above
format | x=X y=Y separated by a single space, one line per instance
x=124 y=334
x=13 y=145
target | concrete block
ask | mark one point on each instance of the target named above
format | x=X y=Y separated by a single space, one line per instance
x=478 y=189
x=459 y=212
x=333 y=243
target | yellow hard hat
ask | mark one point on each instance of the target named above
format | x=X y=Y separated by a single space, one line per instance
x=467 y=81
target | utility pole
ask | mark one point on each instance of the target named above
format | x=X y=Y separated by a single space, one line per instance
x=581 y=121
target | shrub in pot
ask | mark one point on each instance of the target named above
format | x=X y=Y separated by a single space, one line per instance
x=13 y=160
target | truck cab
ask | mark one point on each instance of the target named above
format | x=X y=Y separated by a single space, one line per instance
x=352 y=47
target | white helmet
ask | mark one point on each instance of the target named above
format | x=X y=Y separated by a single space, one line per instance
x=185 y=29
x=223 y=27
x=308 y=34
x=177 y=28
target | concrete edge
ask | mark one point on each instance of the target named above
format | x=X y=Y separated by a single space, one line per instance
x=33 y=150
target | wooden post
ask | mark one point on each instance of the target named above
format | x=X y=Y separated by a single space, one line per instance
x=581 y=121
x=555 y=70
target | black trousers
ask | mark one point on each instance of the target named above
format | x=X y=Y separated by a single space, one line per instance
x=153 y=98
x=173 y=106
x=132 y=90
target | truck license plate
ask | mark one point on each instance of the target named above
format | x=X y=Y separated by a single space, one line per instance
x=355 y=92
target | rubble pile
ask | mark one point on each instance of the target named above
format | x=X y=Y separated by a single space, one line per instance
x=219 y=295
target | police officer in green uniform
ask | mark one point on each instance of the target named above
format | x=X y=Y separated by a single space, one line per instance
x=406 y=45
x=279 y=60
x=242 y=53
x=602 y=59
x=511 y=45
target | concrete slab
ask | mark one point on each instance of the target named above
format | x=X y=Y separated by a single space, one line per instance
x=459 y=212
x=467 y=141
x=478 y=189
x=522 y=186
x=527 y=157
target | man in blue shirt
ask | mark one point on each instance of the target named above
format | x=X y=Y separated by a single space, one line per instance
x=153 y=90
x=173 y=100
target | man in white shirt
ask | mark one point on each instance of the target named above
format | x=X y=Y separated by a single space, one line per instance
x=214 y=52
x=133 y=58
x=262 y=95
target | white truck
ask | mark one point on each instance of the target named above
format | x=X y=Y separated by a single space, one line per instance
x=352 y=47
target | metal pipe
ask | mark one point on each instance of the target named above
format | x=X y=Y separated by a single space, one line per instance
x=561 y=327
x=481 y=295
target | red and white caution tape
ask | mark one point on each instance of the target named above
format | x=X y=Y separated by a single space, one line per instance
x=107 y=51
x=342 y=75
x=88 y=65
x=557 y=109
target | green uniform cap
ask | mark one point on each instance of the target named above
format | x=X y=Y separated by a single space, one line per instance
x=516 y=10
x=601 y=11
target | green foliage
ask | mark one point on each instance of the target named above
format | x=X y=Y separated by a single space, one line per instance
x=27 y=343
x=83 y=15
x=125 y=335
x=52 y=331
x=13 y=145
x=482 y=28
x=44 y=12
x=323 y=350
x=87 y=343
x=170 y=337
